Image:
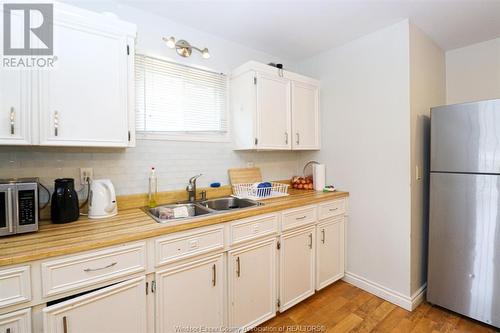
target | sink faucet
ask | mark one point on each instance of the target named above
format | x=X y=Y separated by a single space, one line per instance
x=191 y=188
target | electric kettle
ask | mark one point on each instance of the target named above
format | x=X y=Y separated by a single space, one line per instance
x=102 y=199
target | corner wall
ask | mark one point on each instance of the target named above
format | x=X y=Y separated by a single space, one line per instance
x=365 y=110
x=427 y=89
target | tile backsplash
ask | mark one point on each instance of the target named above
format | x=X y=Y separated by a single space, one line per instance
x=129 y=168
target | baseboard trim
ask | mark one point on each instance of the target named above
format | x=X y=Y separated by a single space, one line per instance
x=418 y=297
x=405 y=302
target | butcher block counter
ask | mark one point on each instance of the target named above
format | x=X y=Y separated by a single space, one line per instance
x=130 y=225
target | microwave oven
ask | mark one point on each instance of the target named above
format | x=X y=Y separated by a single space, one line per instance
x=18 y=206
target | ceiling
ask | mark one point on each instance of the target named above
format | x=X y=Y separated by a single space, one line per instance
x=298 y=29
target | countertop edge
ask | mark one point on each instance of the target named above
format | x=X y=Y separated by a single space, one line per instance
x=269 y=207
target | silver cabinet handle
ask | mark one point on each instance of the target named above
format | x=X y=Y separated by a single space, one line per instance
x=300 y=218
x=12 y=121
x=310 y=240
x=214 y=275
x=65 y=324
x=10 y=210
x=333 y=209
x=298 y=138
x=153 y=286
x=286 y=137
x=101 y=268
x=323 y=236
x=56 y=123
x=238 y=267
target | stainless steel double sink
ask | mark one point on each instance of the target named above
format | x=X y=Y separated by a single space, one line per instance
x=201 y=208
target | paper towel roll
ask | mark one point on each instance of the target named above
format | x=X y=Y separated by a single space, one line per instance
x=319 y=177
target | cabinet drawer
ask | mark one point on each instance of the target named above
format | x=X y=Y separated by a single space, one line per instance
x=80 y=271
x=185 y=245
x=248 y=229
x=331 y=208
x=16 y=287
x=298 y=217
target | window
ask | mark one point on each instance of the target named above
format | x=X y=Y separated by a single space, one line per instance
x=179 y=102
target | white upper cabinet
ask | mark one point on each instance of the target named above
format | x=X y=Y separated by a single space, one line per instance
x=273 y=115
x=14 y=98
x=86 y=98
x=305 y=116
x=83 y=99
x=273 y=110
x=14 y=108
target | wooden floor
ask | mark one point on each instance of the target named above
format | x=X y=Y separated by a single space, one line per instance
x=342 y=307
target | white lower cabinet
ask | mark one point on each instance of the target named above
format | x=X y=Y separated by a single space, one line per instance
x=198 y=280
x=191 y=295
x=297 y=266
x=252 y=284
x=330 y=252
x=117 y=308
x=16 y=322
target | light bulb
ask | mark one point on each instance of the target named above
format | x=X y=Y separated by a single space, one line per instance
x=205 y=54
x=171 y=42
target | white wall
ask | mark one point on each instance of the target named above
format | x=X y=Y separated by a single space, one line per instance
x=473 y=72
x=427 y=89
x=225 y=54
x=366 y=147
x=175 y=161
x=128 y=169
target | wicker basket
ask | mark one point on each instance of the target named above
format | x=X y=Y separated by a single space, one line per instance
x=251 y=191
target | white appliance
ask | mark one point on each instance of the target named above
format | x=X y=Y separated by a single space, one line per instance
x=102 y=200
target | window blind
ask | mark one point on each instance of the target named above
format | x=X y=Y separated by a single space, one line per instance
x=174 y=98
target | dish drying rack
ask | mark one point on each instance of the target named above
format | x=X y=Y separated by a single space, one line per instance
x=253 y=192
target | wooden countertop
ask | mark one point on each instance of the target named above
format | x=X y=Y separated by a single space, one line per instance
x=129 y=225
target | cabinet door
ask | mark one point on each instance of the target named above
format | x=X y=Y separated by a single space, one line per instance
x=305 y=116
x=118 y=308
x=15 y=96
x=296 y=266
x=83 y=99
x=273 y=112
x=16 y=322
x=191 y=295
x=252 y=284
x=330 y=253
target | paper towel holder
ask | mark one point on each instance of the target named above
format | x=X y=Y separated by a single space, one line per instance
x=306 y=166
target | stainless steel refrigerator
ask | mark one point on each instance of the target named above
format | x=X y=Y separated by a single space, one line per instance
x=464 y=225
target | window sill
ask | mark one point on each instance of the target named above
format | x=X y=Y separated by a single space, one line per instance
x=193 y=137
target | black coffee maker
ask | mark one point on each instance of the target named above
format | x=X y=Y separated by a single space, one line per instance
x=65 y=207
